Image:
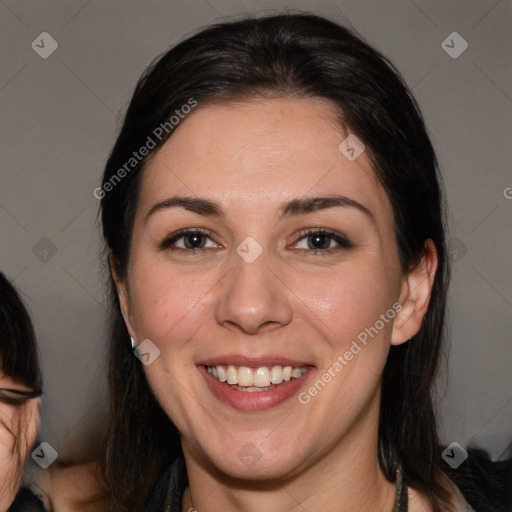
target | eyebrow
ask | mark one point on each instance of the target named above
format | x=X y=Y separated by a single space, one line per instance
x=298 y=206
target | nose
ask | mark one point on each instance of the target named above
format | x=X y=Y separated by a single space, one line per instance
x=253 y=297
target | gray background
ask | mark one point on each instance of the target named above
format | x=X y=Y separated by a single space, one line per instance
x=59 y=119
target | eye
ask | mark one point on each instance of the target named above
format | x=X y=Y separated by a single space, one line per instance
x=189 y=240
x=322 y=241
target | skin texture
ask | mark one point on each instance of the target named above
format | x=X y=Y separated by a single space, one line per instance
x=25 y=419
x=75 y=488
x=250 y=157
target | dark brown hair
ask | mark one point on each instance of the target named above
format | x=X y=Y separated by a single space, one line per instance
x=19 y=357
x=299 y=55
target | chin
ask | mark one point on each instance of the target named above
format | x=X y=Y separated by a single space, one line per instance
x=245 y=461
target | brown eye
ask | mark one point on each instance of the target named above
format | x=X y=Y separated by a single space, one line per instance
x=189 y=240
x=194 y=241
x=319 y=241
x=323 y=241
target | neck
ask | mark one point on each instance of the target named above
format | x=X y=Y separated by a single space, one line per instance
x=345 y=479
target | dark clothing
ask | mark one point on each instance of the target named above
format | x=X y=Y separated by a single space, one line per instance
x=26 y=501
x=168 y=491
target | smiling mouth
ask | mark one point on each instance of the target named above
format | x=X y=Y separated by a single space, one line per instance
x=263 y=378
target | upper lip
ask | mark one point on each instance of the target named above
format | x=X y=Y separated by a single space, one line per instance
x=252 y=362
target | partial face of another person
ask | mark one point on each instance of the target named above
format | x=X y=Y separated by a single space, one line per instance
x=258 y=284
x=18 y=431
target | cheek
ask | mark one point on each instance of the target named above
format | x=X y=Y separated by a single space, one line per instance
x=351 y=313
x=8 y=416
x=344 y=303
x=167 y=304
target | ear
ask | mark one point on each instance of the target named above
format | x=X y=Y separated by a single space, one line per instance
x=415 y=296
x=123 y=296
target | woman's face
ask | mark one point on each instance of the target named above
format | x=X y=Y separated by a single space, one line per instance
x=18 y=426
x=259 y=287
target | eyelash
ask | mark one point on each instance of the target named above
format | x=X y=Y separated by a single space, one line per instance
x=306 y=233
x=340 y=239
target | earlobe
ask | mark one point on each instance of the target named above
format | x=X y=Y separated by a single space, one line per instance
x=415 y=296
x=403 y=315
x=123 y=296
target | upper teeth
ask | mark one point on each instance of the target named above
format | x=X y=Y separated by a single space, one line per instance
x=260 y=377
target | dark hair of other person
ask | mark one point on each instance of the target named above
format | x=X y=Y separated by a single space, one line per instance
x=19 y=358
x=298 y=55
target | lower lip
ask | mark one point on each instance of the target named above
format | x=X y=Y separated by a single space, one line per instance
x=257 y=400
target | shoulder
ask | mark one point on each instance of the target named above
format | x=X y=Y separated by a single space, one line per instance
x=461 y=505
x=71 y=488
x=485 y=484
x=418 y=502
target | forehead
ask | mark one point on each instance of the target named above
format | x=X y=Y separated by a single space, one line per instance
x=259 y=153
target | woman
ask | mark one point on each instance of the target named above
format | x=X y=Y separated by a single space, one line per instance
x=273 y=216
x=20 y=387
x=61 y=487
